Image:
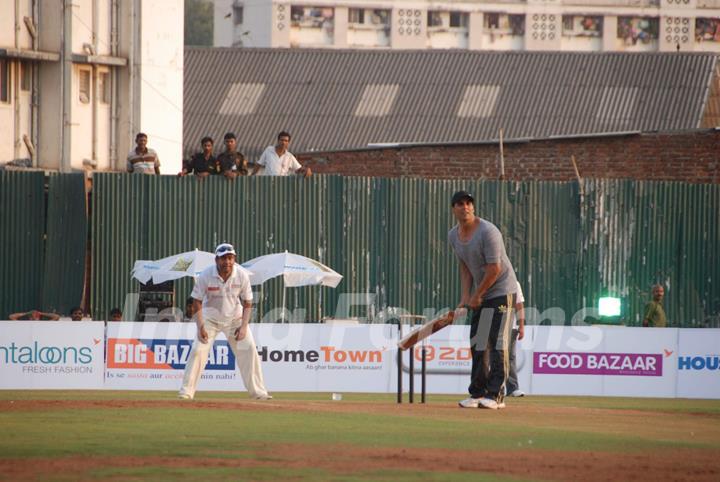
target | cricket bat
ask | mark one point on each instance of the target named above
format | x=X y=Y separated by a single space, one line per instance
x=429 y=328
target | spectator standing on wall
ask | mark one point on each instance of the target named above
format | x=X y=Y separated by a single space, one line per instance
x=143 y=159
x=202 y=164
x=231 y=163
x=654 y=312
x=279 y=161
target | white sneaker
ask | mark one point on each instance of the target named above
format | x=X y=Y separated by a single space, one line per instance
x=488 y=403
x=184 y=396
x=469 y=403
x=517 y=393
x=501 y=405
x=267 y=396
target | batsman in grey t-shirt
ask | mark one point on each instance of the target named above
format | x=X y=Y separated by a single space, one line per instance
x=488 y=287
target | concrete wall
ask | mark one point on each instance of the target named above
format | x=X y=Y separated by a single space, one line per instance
x=681 y=156
x=161 y=92
x=15 y=113
x=50 y=88
x=223 y=26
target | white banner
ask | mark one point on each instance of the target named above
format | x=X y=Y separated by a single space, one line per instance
x=51 y=354
x=294 y=357
x=331 y=358
x=448 y=361
x=603 y=361
x=698 y=363
x=587 y=360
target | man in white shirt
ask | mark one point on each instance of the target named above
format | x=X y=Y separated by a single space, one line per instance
x=278 y=161
x=222 y=301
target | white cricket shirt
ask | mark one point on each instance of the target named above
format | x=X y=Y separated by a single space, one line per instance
x=222 y=300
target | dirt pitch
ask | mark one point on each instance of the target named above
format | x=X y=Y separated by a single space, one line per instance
x=681 y=460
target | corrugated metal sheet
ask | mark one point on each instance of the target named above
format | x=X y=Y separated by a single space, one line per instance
x=241 y=99
x=388 y=237
x=66 y=246
x=148 y=217
x=638 y=233
x=539 y=94
x=22 y=231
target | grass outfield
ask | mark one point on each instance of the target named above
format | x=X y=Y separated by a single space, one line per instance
x=70 y=435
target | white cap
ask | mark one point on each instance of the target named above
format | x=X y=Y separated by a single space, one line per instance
x=223 y=249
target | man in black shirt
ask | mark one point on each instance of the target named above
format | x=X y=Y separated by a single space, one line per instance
x=232 y=163
x=202 y=164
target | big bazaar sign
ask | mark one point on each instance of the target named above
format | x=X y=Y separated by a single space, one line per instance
x=587 y=360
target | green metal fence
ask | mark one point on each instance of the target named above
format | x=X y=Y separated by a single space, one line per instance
x=388 y=238
x=22 y=231
x=570 y=243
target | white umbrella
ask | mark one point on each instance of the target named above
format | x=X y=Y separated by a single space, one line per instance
x=296 y=270
x=190 y=263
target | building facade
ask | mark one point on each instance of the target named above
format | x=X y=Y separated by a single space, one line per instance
x=79 y=78
x=573 y=25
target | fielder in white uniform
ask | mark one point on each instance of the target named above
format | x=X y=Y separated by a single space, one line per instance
x=518 y=333
x=223 y=303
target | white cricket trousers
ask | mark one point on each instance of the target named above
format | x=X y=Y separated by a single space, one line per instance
x=246 y=356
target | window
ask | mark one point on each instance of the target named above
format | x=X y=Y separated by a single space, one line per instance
x=503 y=23
x=104 y=87
x=84 y=86
x=25 y=76
x=707 y=29
x=356 y=15
x=314 y=17
x=582 y=26
x=492 y=20
x=637 y=29
x=238 y=15
x=4 y=81
x=380 y=17
x=434 y=19
x=517 y=24
x=458 y=19
x=297 y=14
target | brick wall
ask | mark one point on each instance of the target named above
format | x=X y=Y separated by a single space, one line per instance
x=692 y=156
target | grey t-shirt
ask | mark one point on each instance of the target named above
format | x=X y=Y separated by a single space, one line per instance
x=485 y=247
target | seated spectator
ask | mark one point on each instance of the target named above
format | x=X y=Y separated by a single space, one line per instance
x=115 y=314
x=189 y=310
x=142 y=159
x=76 y=314
x=232 y=163
x=278 y=161
x=34 y=315
x=202 y=164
